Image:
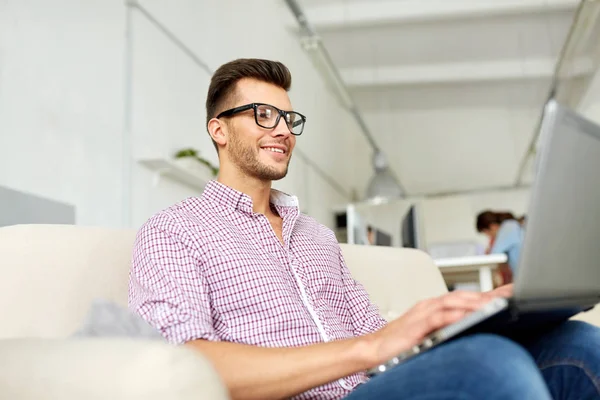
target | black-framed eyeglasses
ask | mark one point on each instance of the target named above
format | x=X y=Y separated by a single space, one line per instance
x=268 y=116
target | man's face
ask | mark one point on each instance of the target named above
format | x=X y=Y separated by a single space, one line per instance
x=258 y=152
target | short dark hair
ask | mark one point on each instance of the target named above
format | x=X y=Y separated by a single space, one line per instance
x=221 y=92
x=486 y=218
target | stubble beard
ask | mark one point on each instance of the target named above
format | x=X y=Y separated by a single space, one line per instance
x=247 y=160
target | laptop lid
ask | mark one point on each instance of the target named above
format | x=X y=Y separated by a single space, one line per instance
x=560 y=256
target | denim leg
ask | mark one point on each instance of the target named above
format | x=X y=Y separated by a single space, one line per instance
x=569 y=359
x=476 y=367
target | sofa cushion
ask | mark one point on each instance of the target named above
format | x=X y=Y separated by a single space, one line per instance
x=104 y=368
x=395 y=278
x=49 y=275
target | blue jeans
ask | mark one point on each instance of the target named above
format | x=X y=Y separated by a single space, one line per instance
x=562 y=363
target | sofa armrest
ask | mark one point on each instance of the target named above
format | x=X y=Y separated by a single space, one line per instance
x=592 y=316
x=116 y=369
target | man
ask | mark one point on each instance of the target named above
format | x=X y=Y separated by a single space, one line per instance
x=242 y=277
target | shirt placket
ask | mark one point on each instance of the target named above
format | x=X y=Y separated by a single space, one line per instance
x=289 y=219
x=298 y=272
x=270 y=241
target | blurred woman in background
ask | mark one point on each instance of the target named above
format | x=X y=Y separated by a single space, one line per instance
x=506 y=236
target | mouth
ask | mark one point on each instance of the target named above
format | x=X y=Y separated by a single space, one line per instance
x=275 y=149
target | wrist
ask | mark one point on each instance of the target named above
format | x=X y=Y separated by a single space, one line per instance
x=366 y=350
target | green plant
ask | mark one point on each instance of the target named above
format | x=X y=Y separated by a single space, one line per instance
x=196 y=154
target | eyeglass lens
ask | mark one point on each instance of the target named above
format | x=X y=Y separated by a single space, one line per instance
x=266 y=116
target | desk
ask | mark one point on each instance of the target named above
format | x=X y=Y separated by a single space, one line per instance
x=484 y=264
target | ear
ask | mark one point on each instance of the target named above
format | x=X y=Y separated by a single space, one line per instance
x=217 y=130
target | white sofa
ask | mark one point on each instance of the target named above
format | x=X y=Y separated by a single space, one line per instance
x=51 y=274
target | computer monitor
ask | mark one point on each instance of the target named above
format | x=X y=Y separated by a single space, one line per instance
x=409 y=230
x=25 y=208
x=382 y=238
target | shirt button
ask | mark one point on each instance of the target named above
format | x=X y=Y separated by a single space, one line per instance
x=345 y=384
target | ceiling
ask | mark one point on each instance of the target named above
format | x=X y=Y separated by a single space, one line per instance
x=451 y=89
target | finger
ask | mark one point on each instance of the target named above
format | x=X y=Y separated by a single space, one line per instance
x=505 y=291
x=416 y=329
x=440 y=320
x=459 y=295
x=464 y=294
x=460 y=300
x=460 y=304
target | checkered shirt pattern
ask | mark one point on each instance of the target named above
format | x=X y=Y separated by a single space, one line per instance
x=210 y=268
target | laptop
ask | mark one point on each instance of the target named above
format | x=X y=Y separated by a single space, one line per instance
x=559 y=267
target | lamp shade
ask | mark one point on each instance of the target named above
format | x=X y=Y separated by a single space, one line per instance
x=383 y=185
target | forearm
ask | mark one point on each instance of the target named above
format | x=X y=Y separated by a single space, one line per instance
x=252 y=372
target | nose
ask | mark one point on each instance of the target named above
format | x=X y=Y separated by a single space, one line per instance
x=281 y=129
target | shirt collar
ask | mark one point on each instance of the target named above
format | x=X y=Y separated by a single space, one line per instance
x=236 y=200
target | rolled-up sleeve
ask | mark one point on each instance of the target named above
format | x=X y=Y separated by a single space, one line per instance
x=364 y=313
x=166 y=284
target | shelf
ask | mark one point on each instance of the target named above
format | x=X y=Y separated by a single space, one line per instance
x=471 y=261
x=186 y=172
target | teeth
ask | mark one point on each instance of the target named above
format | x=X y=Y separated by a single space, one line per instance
x=273 y=149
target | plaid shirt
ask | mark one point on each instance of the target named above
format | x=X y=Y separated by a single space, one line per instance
x=210 y=268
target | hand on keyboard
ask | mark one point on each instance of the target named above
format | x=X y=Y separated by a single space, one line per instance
x=424 y=318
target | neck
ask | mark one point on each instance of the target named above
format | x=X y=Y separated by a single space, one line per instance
x=258 y=190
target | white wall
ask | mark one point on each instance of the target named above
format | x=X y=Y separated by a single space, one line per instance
x=452 y=218
x=61 y=103
x=63 y=107
x=455 y=148
x=447 y=138
x=590 y=105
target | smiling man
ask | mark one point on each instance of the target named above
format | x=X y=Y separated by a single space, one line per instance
x=240 y=275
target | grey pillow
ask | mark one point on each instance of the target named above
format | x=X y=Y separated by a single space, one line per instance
x=106 y=318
